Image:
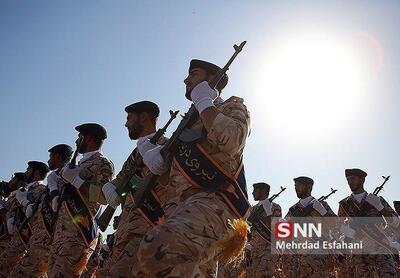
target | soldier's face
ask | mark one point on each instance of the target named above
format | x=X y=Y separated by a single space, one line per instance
x=355 y=183
x=135 y=128
x=256 y=193
x=29 y=175
x=54 y=161
x=302 y=190
x=195 y=76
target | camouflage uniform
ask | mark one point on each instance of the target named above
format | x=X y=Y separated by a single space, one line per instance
x=16 y=248
x=185 y=245
x=382 y=265
x=132 y=225
x=5 y=208
x=35 y=262
x=69 y=253
x=304 y=265
x=263 y=263
x=94 y=262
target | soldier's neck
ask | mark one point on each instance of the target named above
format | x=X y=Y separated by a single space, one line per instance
x=358 y=191
x=148 y=130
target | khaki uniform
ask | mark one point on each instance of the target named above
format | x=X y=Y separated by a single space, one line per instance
x=263 y=262
x=69 y=253
x=307 y=266
x=16 y=248
x=185 y=245
x=131 y=228
x=35 y=262
x=382 y=265
x=94 y=262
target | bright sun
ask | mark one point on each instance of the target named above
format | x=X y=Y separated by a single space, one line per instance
x=308 y=86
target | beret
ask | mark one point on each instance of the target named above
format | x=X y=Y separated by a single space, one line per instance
x=211 y=69
x=304 y=180
x=37 y=165
x=92 y=129
x=144 y=106
x=262 y=184
x=62 y=149
x=355 y=172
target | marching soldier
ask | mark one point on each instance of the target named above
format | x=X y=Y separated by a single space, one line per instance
x=134 y=222
x=363 y=204
x=305 y=265
x=263 y=262
x=75 y=235
x=35 y=262
x=94 y=262
x=11 y=256
x=16 y=182
x=206 y=177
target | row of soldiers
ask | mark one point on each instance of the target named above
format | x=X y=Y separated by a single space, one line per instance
x=261 y=261
x=189 y=223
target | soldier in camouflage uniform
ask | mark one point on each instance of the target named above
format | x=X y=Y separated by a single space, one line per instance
x=75 y=236
x=34 y=176
x=133 y=223
x=263 y=262
x=35 y=262
x=363 y=204
x=94 y=262
x=304 y=265
x=17 y=181
x=190 y=241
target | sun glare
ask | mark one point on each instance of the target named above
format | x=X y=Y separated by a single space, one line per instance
x=308 y=86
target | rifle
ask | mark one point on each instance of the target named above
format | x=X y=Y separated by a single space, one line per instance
x=307 y=210
x=71 y=165
x=105 y=218
x=145 y=185
x=260 y=209
x=35 y=207
x=379 y=188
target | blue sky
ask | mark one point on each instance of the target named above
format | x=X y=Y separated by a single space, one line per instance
x=65 y=63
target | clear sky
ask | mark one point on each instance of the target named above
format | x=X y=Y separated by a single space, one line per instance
x=320 y=80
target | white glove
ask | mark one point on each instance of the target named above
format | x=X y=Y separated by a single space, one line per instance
x=72 y=176
x=155 y=162
x=22 y=197
x=202 y=96
x=375 y=201
x=10 y=225
x=347 y=231
x=29 y=211
x=52 y=181
x=143 y=145
x=111 y=194
x=55 y=203
x=319 y=207
x=267 y=205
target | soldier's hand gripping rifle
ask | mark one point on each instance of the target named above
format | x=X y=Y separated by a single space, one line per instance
x=105 y=218
x=260 y=210
x=71 y=165
x=309 y=208
x=144 y=188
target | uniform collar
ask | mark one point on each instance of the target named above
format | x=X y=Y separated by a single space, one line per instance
x=88 y=155
x=359 y=197
x=33 y=184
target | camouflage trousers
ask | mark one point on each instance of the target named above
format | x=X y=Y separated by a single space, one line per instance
x=35 y=262
x=185 y=245
x=306 y=266
x=11 y=255
x=381 y=266
x=263 y=262
x=69 y=255
x=91 y=267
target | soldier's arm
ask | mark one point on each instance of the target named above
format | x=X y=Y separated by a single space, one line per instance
x=122 y=177
x=230 y=127
x=328 y=209
x=390 y=215
x=101 y=173
x=341 y=211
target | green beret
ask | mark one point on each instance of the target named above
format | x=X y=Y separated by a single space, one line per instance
x=92 y=129
x=144 y=106
x=262 y=185
x=37 y=165
x=355 y=172
x=62 y=149
x=211 y=69
x=304 y=180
